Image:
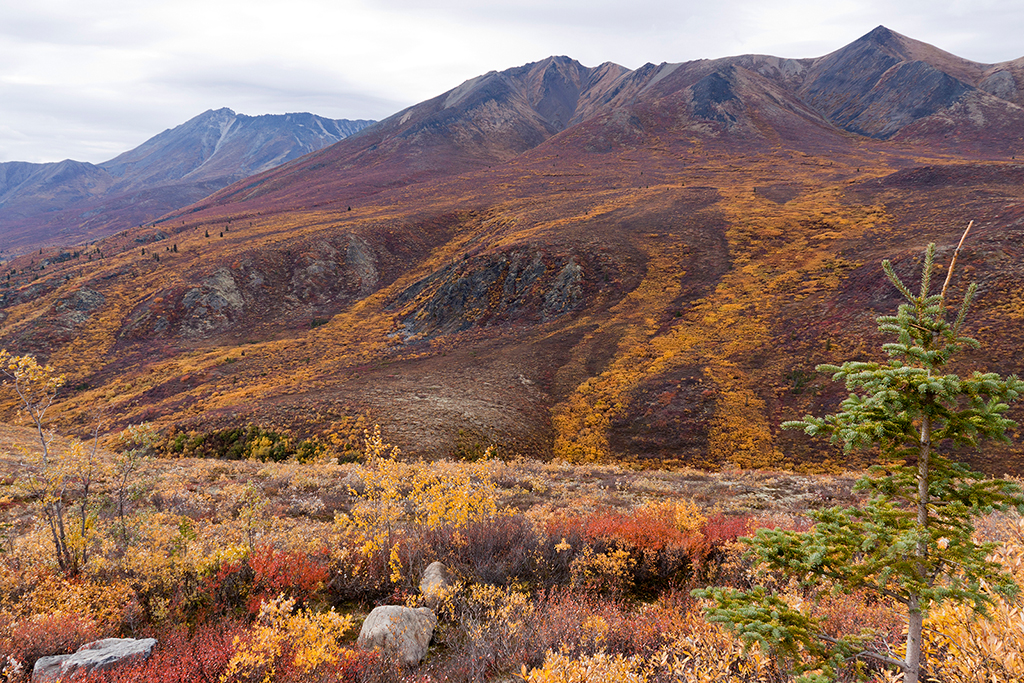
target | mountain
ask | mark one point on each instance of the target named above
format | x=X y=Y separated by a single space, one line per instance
x=222 y=144
x=69 y=202
x=486 y=120
x=584 y=263
x=882 y=86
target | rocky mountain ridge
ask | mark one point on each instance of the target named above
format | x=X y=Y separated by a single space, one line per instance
x=883 y=86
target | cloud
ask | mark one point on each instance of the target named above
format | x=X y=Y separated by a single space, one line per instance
x=88 y=79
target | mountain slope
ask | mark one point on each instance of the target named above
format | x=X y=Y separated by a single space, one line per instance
x=591 y=264
x=882 y=86
x=221 y=144
x=27 y=189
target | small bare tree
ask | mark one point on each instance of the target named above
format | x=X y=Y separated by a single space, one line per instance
x=136 y=445
x=54 y=475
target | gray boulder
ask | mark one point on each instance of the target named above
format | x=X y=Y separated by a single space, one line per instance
x=435 y=585
x=402 y=632
x=100 y=654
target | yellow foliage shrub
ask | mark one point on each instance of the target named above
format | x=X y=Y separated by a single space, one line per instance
x=400 y=498
x=970 y=648
x=701 y=652
x=103 y=602
x=607 y=573
x=310 y=639
x=598 y=668
x=684 y=515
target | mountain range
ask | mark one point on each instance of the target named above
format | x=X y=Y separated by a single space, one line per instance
x=587 y=263
x=69 y=202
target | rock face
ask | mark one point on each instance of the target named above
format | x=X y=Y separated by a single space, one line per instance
x=435 y=584
x=403 y=632
x=98 y=655
x=490 y=290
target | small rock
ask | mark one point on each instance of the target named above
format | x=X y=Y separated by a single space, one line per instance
x=97 y=655
x=353 y=483
x=435 y=585
x=404 y=632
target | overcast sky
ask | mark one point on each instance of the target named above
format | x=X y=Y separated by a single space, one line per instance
x=89 y=79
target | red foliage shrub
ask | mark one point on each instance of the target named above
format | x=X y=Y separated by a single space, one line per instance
x=297 y=575
x=663 y=555
x=719 y=533
x=721 y=529
x=238 y=588
x=641 y=529
x=181 y=656
x=48 y=634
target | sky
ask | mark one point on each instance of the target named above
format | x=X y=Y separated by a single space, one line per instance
x=89 y=79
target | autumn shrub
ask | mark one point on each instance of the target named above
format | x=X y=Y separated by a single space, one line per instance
x=486 y=630
x=353 y=666
x=285 y=638
x=499 y=551
x=42 y=635
x=400 y=505
x=719 y=553
x=608 y=573
x=982 y=648
x=182 y=655
x=582 y=623
x=559 y=667
x=107 y=602
x=701 y=652
x=226 y=591
x=356 y=577
x=293 y=574
x=646 y=550
x=564 y=635
x=594 y=640
x=489 y=630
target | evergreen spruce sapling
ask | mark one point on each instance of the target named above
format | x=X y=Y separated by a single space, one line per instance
x=912 y=542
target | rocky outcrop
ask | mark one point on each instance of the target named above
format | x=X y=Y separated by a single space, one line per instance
x=75 y=308
x=281 y=287
x=401 y=632
x=212 y=305
x=98 y=655
x=489 y=290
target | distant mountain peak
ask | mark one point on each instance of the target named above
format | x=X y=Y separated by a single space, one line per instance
x=174 y=168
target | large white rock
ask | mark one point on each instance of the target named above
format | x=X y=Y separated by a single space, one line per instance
x=99 y=654
x=403 y=632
